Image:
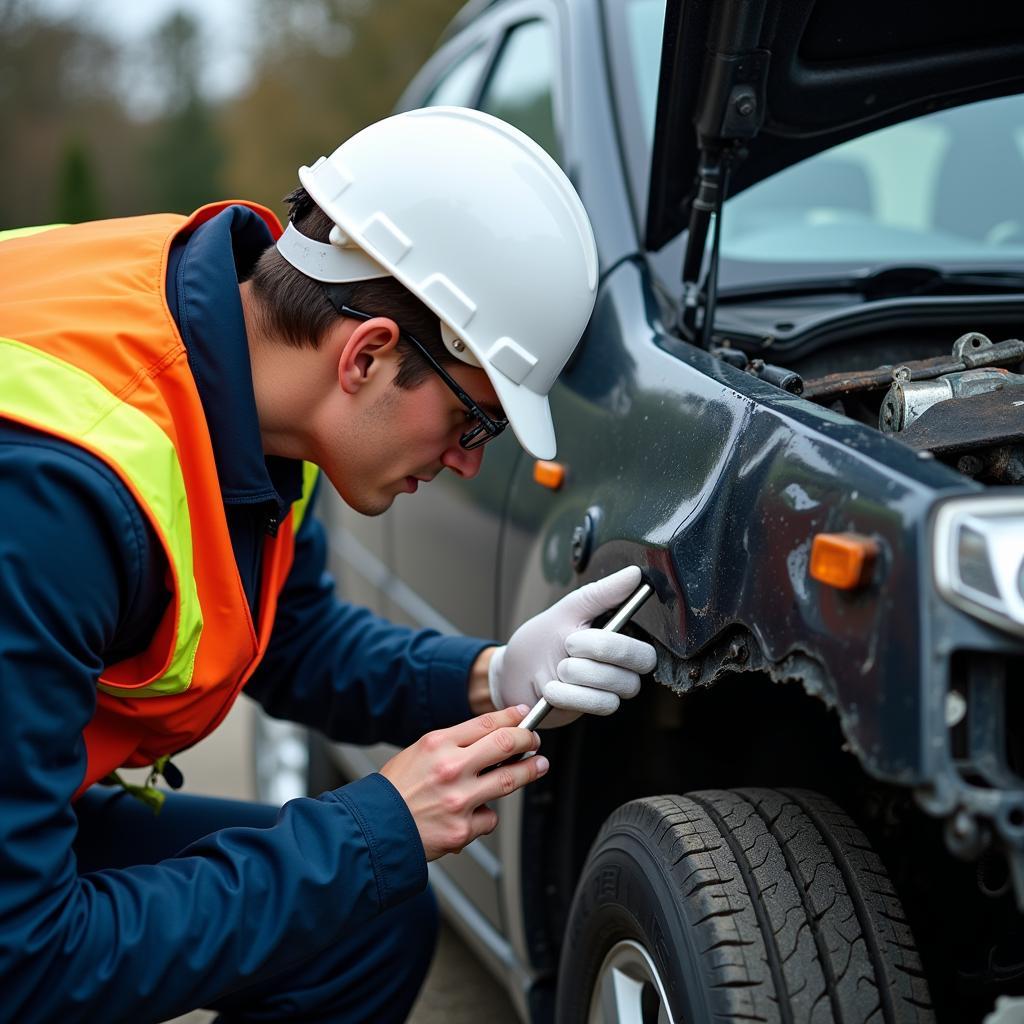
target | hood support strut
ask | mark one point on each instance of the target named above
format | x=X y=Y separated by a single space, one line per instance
x=731 y=110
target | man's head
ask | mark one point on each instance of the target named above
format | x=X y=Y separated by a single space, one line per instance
x=356 y=377
x=297 y=310
x=446 y=225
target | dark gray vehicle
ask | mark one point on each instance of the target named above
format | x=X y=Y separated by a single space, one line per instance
x=801 y=411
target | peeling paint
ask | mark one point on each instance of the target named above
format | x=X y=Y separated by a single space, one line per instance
x=799 y=499
x=796 y=564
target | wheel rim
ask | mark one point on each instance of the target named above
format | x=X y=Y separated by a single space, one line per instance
x=281 y=760
x=628 y=989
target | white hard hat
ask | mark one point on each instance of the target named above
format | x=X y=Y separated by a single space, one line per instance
x=478 y=222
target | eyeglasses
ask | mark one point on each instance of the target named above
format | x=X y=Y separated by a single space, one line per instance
x=483 y=428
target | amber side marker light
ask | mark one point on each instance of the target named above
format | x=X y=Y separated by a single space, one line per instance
x=843 y=560
x=549 y=474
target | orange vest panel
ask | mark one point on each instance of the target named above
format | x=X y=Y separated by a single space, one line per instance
x=93 y=296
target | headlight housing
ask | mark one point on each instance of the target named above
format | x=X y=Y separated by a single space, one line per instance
x=979 y=558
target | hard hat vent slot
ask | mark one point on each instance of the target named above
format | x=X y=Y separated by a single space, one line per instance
x=447 y=301
x=380 y=233
x=332 y=179
x=512 y=359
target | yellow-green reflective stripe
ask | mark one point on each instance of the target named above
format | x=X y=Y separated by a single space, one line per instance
x=25 y=232
x=52 y=394
x=309 y=475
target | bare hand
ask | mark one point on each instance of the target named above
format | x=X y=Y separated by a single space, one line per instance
x=439 y=777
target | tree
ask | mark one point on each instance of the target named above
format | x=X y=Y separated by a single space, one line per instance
x=78 y=196
x=323 y=69
x=187 y=153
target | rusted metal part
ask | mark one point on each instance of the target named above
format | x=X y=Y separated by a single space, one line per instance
x=738 y=651
x=1005 y=465
x=906 y=400
x=979 y=421
x=1003 y=353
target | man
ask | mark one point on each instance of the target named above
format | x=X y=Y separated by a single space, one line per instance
x=167 y=388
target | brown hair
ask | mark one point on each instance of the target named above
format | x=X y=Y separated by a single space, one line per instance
x=295 y=308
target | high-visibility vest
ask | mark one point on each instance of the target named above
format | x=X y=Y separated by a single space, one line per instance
x=90 y=353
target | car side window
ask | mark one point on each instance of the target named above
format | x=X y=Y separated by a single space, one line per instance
x=457 y=86
x=520 y=89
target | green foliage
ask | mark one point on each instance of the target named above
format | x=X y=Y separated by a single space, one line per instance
x=185 y=159
x=187 y=154
x=77 y=193
x=321 y=70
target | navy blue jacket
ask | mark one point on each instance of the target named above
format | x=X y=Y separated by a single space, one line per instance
x=81 y=586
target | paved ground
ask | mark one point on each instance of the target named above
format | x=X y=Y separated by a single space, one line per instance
x=458 y=990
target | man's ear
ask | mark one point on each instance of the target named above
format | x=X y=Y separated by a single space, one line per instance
x=365 y=351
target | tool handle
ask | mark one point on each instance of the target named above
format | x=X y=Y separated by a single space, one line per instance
x=542 y=708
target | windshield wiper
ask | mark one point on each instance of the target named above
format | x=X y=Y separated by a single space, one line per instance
x=894 y=282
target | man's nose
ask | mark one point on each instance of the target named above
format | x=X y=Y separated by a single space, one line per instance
x=461 y=462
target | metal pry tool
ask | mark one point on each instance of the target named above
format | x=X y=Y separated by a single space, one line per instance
x=540 y=710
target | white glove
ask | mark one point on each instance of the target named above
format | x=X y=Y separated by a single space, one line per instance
x=582 y=671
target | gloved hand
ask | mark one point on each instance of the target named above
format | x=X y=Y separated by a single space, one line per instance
x=554 y=655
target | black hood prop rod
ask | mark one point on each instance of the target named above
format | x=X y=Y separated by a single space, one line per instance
x=731 y=111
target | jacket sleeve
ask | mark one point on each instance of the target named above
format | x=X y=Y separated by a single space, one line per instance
x=354 y=676
x=151 y=941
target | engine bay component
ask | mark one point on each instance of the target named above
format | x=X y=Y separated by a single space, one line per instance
x=907 y=399
x=970 y=351
x=968 y=424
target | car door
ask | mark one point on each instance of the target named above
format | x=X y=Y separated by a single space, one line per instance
x=447 y=537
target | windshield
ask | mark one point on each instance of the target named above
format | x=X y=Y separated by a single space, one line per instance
x=947 y=187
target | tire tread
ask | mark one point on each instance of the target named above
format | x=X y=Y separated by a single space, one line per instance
x=795 y=920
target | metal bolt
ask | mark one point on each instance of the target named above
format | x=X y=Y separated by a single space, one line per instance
x=956 y=708
x=458 y=344
x=963 y=825
x=744 y=106
x=579 y=538
x=738 y=651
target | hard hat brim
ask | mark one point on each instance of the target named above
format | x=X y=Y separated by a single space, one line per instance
x=529 y=415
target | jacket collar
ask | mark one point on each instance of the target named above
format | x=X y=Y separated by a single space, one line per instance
x=203 y=272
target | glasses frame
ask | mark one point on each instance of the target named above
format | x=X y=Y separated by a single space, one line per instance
x=486 y=427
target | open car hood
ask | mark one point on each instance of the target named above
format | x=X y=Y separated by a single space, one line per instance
x=771 y=82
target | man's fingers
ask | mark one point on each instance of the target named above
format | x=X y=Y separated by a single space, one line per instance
x=499 y=745
x=612 y=648
x=584 y=672
x=507 y=778
x=585 y=699
x=465 y=734
x=605 y=594
x=484 y=820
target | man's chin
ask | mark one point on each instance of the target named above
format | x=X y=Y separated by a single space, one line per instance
x=375 y=506
x=372 y=504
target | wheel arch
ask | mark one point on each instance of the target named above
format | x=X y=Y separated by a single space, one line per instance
x=744 y=729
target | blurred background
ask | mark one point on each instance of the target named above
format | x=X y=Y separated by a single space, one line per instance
x=109 y=108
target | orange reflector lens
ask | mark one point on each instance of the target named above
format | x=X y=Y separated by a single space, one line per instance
x=843 y=560
x=549 y=474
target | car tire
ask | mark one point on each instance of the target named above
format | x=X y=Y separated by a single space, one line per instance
x=752 y=904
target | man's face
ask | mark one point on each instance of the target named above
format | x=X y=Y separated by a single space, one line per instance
x=386 y=440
